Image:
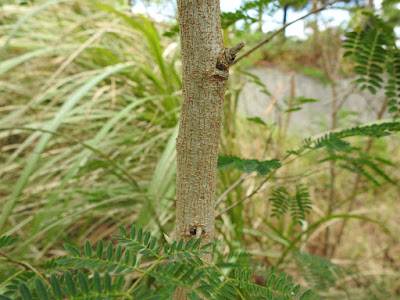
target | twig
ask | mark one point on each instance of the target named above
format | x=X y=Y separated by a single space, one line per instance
x=271 y=36
x=23 y=264
x=231 y=188
x=244 y=199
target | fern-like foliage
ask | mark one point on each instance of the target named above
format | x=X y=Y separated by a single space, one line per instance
x=393 y=84
x=372 y=47
x=322 y=274
x=369 y=54
x=7 y=241
x=280 y=202
x=230 y=18
x=334 y=141
x=319 y=272
x=248 y=165
x=367 y=166
x=234 y=259
x=71 y=286
x=299 y=203
x=99 y=273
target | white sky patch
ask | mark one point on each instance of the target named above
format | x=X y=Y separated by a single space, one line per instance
x=327 y=18
x=230 y=5
x=151 y=10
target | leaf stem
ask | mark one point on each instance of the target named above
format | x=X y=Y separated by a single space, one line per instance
x=146 y=272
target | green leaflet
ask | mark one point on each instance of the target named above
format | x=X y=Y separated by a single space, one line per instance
x=248 y=165
x=298 y=203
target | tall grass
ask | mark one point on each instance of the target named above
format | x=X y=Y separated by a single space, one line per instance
x=89 y=100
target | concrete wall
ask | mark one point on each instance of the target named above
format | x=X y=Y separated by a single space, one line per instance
x=358 y=107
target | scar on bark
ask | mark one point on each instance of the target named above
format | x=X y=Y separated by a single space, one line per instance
x=225 y=59
x=196 y=230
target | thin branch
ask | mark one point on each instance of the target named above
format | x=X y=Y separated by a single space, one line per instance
x=244 y=199
x=23 y=264
x=231 y=188
x=271 y=36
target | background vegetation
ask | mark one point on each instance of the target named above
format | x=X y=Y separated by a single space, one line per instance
x=89 y=107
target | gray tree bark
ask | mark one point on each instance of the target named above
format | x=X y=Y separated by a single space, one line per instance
x=205 y=71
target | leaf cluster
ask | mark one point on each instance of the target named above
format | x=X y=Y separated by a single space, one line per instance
x=319 y=272
x=367 y=166
x=322 y=274
x=244 y=13
x=372 y=46
x=299 y=203
x=334 y=141
x=102 y=273
x=7 y=241
x=351 y=158
x=248 y=165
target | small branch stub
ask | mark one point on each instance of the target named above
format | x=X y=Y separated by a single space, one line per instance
x=227 y=57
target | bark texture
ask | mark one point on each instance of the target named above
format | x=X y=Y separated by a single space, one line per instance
x=205 y=70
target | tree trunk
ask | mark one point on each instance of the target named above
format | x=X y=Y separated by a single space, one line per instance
x=284 y=21
x=285 y=10
x=205 y=70
x=260 y=15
